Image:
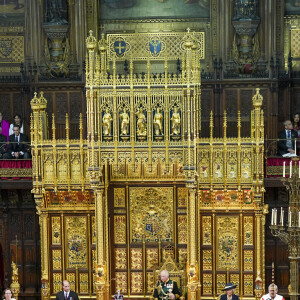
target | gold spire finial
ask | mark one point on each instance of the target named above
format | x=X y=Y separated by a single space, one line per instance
x=91 y=42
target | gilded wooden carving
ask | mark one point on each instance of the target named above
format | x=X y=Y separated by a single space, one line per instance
x=150 y=278
x=71 y=278
x=182 y=256
x=182 y=229
x=248 y=284
x=136 y=259
x=228 y=243
x=57 y=282
x=151 y=213
x=120 y=229
x=295 y=47
x=93 y=230
x=56 y=259
x=150 y=150
x=235 y=279
x=119 y=197
x=207 y=284
x=56 y=231
x=221 y=282
x=182 y=197
x=76 y=237
x=84 y=283
x=207 y=260
x=206 y=230
x=121 y=282
x=248 y=230
x=151 y=258
x=136 y=282
x=121 y=258
x=140 y=49
x=248 y=260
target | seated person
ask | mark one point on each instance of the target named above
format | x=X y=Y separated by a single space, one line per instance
x=5 y=126
x=273 y=290
x=286 y=143
x=3 y=143
x=18 y=145
x=229 y=290
x=166 y=288
x=17 y=121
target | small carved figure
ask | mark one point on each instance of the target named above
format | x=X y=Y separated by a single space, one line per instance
x=141 y=123
x=158 y=122
x=15 y=276
x=175 y=121
x=106 y=122
x=124 y=122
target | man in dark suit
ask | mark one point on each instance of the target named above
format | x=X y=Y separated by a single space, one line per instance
x=18 y=145
x=3 y=144
x=286 y=143
x=66 y=294
x=229 y=290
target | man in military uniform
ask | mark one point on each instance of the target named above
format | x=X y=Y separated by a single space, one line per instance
x=166 y=288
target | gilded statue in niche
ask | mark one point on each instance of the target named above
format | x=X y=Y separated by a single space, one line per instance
x=151 y=214
x=124 y=117
x=175 y=122
x=141 y=124
x=106 y=123
x=158 y=123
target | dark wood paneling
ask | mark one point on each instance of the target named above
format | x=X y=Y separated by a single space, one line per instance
x=19 y=222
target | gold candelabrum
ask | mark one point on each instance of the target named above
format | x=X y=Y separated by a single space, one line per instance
x=289 y=232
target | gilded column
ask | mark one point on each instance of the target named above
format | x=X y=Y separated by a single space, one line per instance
x=43 y=220
x=38 y=133
x=101 y=271
x=257 y=134
x=192 y=247
x=189 y=168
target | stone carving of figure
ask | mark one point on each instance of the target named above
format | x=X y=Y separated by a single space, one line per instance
x=57 y=11
x=141 y=123
x=158 y=122
x=124 y=122
x=106 y=123
x=175 y=122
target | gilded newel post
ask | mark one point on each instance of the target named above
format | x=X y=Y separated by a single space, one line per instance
x=45 y=290
x=257 y=135
x=193 y=274
x=101 y=267
x=190 y=163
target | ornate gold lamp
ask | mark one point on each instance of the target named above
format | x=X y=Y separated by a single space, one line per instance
x=290 y=232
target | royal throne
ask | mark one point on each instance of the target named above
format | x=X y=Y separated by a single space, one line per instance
x=175 y=273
